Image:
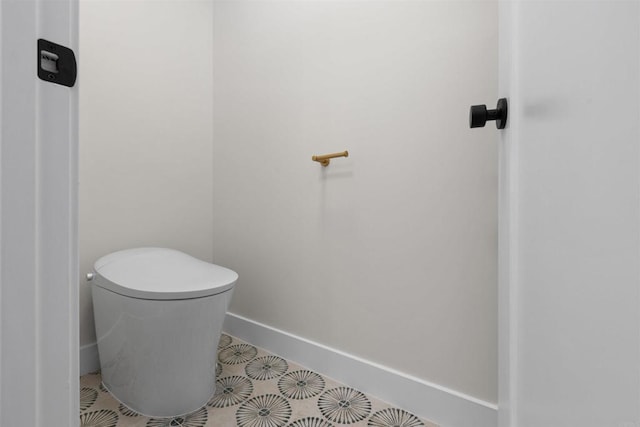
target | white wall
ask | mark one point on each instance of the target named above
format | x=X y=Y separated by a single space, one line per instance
x=145 y=130
x=390 y=254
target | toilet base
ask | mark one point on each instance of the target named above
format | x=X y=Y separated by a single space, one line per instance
x=158 y=357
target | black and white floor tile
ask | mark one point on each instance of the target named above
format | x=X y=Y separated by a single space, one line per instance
x=255 y=389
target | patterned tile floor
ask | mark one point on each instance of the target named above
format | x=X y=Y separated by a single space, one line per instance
x=255 y=389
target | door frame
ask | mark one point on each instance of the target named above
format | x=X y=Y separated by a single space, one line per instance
x=39 y=326
x=507 y=224
x=564 y=172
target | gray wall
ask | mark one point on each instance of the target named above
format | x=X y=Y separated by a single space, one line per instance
x=145 y=131
x=390 y=254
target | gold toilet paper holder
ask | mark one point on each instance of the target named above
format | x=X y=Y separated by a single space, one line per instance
x=325 y=158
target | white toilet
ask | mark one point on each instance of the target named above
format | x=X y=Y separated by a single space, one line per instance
x=158 y=316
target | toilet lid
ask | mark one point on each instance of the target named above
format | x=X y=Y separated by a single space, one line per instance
x=161 y=274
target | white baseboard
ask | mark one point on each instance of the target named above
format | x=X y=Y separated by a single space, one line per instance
x=441 y=405
x=89 y=360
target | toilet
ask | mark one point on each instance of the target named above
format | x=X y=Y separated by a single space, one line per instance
x=158 y=316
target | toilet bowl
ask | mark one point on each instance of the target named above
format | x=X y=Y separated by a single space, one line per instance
x=158 y=316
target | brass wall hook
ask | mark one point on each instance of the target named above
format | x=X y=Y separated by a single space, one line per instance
x=324 y=159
